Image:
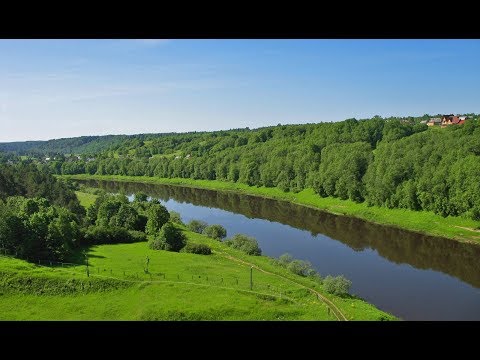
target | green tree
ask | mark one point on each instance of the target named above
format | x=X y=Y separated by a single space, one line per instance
x=157 y=215
x=215 y=231
x=245 y=243
x=197 y=226
x=338 y=285
x=169 y=238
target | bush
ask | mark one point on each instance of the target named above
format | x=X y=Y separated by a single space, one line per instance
x=245 y=243
x=215 y=232
x=338 y=285
x=285 y=259
x=176 y=218
x=109 y=235
x=170 y=238
x=200 y=249
x=137 y=236
x=140 y=197
x=299 y=267
x=302 y=268
x=197 y=226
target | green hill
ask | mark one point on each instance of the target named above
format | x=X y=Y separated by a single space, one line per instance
x=178 y=286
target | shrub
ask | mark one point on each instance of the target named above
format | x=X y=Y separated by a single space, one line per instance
x=338 y=285
x=215 y=231
x=170 y=238
x=140 y=197
x=176 y=218
x=245 y=243
x=197 y=226
x=109 y=235
x=302 y=268
x=137 y=236
x=299 y=267
x=200 y=249
x=285 y=259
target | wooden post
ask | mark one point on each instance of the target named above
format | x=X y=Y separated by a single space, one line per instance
x=251 y=278
x=88 y=270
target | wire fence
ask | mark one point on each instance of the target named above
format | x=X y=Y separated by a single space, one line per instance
x=145 y=275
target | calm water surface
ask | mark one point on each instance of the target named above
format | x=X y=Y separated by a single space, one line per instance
x=413 y=276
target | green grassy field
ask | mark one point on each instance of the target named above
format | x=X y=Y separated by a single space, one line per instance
x=86 y=199
x=177 y=286
x=458 y=228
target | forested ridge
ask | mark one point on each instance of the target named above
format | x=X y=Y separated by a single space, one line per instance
x=396 y=163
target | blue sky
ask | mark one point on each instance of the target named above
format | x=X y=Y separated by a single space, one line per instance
x=64 y=88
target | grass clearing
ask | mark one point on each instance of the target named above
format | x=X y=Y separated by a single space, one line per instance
x=86 y=199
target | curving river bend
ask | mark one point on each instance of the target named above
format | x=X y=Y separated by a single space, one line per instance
x=414 y=276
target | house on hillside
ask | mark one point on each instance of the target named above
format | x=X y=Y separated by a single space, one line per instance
x=453 y=120
x=434 y=122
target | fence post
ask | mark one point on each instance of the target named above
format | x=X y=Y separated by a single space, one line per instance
x=178 y=277
x=88 y=270
x=251 y=278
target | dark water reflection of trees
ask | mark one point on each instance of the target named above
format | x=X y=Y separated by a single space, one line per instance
x=399 y=246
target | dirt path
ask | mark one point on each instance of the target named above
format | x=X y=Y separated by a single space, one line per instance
x=336 y=311
x=467 y=228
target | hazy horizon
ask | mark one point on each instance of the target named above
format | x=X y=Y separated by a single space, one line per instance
x=52 y=89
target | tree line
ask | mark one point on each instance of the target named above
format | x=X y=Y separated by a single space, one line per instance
x=395 y=163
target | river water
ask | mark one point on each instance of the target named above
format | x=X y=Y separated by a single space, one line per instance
x=412 y=276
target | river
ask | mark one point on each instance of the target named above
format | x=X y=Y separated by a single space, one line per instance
x=413 y=276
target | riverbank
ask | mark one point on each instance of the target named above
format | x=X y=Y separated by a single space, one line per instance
x=457 y=228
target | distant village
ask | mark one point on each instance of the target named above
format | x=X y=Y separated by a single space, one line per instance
x=445 y=120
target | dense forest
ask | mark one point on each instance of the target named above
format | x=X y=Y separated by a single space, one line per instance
x=396 y=163
x=82 y=144
x=41 y=217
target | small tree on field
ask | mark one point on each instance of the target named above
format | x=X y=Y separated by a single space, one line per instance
x=176 y=218
x=245 y=243
x=170 y=238
x=338 y=285
x=215 y=232
x=197 y=226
